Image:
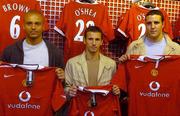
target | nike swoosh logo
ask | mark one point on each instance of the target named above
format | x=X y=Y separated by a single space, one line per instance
x=6 y=76
x=63 y=96
x=138 y=66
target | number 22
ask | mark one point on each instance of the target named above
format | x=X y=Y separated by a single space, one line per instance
x=80 y=24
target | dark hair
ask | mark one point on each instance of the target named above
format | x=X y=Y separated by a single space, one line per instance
x=156 y=12
x=93 y=29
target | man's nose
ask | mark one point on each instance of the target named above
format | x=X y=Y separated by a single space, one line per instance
x=33 y=26
x=152 y=25
x=94 y=41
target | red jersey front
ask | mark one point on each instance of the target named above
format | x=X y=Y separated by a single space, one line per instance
x=152 y=92
x=107 y=103
x=132 y=24
x=41 y=99
x=11 y=17
x=75 y=18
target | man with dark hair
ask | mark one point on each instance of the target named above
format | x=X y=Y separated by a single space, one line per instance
x=34 y=49
x=155 y=41
x=146 y=77
x=155 y=12
x=90 y=68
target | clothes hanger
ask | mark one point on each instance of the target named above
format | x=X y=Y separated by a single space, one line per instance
x=87 y=1
x=144 y=3
x=148 y=4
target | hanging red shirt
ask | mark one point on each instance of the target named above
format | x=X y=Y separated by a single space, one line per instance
x=132 y=24
x=75 y=18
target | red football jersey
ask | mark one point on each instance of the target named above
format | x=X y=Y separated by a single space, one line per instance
x=11 y=17
x=177 y=28
x=132 y=25
x=151 y=92
x=75 y=18
x=107 y=103
x=42 y=98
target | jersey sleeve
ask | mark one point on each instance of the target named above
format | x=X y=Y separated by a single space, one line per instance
x=59 y=97
x=60 y=26
x=119 y=78
x=107 y=27
x=124 y=25
x=167 y=25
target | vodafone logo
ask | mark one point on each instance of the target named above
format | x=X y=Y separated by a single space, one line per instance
x=88 y=113
x=154 y=86
x=24 y=96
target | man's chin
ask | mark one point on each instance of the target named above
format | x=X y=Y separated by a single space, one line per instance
x=153 y=36
x=34 y=37
x=93 y=51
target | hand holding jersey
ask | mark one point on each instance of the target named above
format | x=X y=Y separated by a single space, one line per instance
x=152 y=84
x=143 y=83
x=34 y=49
x=90 y=68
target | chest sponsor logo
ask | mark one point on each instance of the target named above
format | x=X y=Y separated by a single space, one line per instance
x=24 y=98
x=89 y=113
x=154 y=87
x=27 y=96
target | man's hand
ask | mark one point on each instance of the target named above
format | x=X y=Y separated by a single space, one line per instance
x=124 y=58
x=60 y=73
x=72 y=91
x=115 y=90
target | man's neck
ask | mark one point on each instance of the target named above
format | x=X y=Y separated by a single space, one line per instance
x=155 y=40
x=92 y=56
x=33 y=41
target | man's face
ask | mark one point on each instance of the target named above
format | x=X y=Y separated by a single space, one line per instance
x=154 y=26
x=93 y=42
x=33 y=26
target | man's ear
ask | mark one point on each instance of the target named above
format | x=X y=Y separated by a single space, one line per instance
x=44 y=28
x=101 y=42
x=84 y=40
x=163 y=24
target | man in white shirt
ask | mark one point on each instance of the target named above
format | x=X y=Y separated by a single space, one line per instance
x=33 y=49
x=155 y=41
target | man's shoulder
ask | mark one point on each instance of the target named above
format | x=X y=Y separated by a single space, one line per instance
x=137 y=42
x=15 y=45
x=51 y=46
x=48 y=43
x=75 y=58
x=176 y=47
x=106 y=58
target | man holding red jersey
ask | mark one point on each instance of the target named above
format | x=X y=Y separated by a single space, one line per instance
x=33 y=49
x=90 y=68
x=155 y=41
